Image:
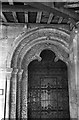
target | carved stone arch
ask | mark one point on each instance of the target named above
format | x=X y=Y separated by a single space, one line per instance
x=34 y=53
x=29 y=46
x=59 y=35
x=49 y=44
x=18 y=56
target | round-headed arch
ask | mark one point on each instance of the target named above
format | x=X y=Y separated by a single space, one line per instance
x=35 y=41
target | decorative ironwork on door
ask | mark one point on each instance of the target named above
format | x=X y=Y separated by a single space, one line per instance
x=48 y=98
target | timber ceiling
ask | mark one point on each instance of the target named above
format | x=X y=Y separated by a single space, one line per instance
x=39 y=13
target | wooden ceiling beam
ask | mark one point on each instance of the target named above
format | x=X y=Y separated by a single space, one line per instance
x=35 y=24
x=71 y=5
x=38 y=18
x=50 y=18
x=3 y=17
x=57 y=11
x=60 y=20
x=13 y=13
x=71 y=26
x=26 y=15
x=42 y=0
x=15 y=16
x=55 y=19
x=37 y=7
x=18 y=8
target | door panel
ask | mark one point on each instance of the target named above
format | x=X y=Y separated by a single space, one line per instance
x=48 y=97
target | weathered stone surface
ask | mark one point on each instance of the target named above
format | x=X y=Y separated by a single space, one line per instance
x=13 y=91
x=73 y=111
x=8 y=44
x=78 y=112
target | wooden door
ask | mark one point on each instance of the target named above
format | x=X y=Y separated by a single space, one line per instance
x=48 y=96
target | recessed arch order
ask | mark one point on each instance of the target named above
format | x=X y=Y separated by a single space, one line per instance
x=50 y=38
x=26 y=48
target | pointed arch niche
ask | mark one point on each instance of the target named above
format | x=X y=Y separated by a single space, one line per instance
x=27 y=48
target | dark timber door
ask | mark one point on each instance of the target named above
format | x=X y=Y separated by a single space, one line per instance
x=48 y=97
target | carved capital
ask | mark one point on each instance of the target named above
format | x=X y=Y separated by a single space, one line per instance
x=15 y=71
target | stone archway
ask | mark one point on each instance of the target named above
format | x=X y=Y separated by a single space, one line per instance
x=28 y=48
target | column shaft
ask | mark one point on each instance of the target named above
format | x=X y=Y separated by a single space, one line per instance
x=19 y=93
x=72 y=90
x=75 y=49
x=24 y=95
x=8 y=77
x=78 y=72
x=13 y=88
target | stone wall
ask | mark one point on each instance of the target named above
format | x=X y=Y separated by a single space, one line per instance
x=7 y=36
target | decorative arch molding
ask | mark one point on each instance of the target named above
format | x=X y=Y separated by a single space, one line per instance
x=32 y=36
x=35 y=51
x=49 y=43
x=26 y=48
